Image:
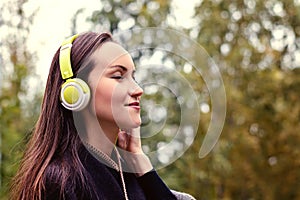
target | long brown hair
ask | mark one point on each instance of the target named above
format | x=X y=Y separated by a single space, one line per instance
x=55 y=138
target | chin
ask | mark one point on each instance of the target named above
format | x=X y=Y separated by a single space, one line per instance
x=130 y=125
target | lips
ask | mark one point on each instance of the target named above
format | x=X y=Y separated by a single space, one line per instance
x=135 y=105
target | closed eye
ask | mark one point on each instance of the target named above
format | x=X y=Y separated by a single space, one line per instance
x=117 y=75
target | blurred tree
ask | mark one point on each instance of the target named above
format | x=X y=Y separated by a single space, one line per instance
x=255 y=44
x=18 y=106
x=118 y=15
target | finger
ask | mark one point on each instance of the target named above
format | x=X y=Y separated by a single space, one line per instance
x=122 y=139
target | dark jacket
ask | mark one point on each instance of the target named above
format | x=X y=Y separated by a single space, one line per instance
x=106 y=184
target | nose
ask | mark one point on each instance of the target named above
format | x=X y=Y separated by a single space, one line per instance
x=136 y=91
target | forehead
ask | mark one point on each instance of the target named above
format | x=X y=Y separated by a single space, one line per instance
x=109 y=53
x=106 y=56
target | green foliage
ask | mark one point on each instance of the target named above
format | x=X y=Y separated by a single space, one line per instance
x=262 y=79
x=121 y=15
x=18 y=111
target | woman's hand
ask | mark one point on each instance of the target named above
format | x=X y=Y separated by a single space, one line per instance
x=136 y=159
x=130 y=140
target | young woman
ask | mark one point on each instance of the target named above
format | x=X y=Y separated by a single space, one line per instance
x=86 y=142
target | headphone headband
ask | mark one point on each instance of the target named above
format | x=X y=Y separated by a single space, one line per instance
x=74 y=93
x=65 y=57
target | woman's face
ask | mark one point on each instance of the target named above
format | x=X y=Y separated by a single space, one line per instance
x=116 y=95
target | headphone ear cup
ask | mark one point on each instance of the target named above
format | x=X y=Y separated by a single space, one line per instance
x=75 y=94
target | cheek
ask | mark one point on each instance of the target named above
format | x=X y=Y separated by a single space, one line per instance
x=109 y=100
x=102 y=96
x=103 y=99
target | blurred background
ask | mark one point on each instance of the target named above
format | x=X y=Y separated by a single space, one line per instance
x=255 y=44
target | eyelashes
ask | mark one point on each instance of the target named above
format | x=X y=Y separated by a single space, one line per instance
x=120 y=77
x=117 y=77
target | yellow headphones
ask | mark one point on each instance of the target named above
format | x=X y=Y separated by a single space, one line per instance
x=75 y=93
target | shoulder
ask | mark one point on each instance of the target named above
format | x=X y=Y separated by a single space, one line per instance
x=64 y=181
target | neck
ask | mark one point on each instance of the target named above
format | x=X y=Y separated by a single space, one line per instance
x=101 y=143
x=101 y=135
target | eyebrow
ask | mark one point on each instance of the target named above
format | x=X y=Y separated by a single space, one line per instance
x=122 y=68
